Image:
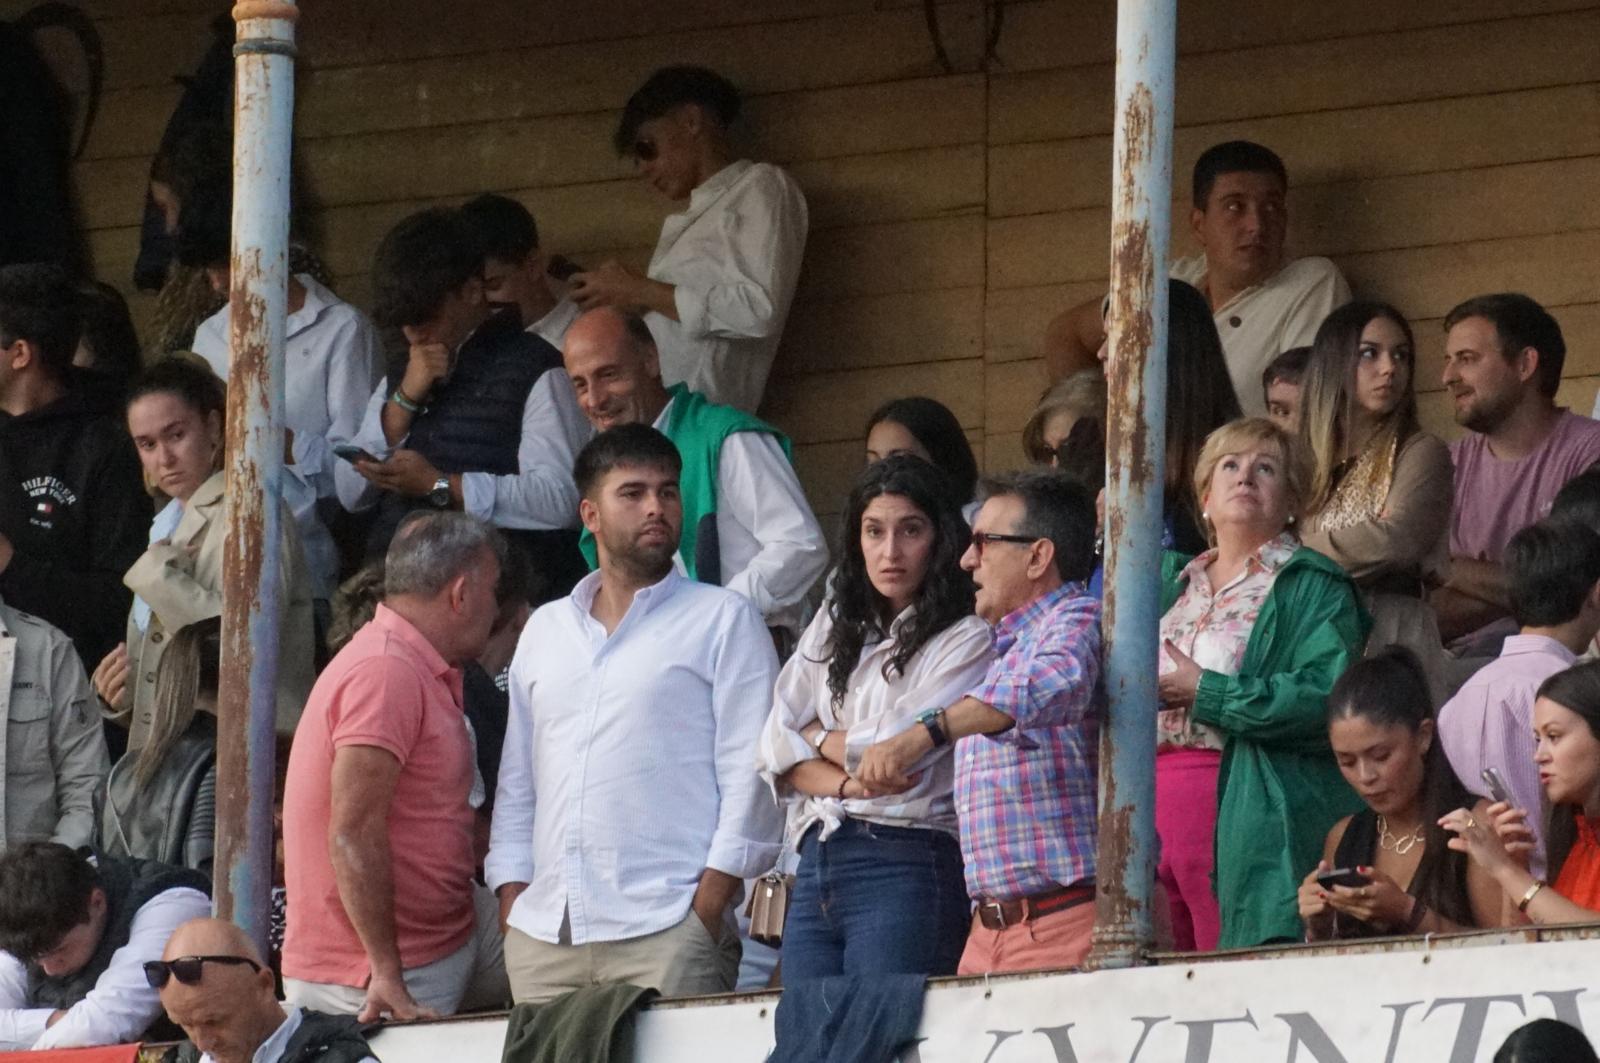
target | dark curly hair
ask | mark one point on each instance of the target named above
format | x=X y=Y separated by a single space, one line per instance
x=858 y=610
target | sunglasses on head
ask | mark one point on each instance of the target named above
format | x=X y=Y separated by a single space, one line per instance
x=645 y=150
x=186 y=969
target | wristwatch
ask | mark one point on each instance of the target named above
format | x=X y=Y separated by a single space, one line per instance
x=440 y=494
x=933 y=721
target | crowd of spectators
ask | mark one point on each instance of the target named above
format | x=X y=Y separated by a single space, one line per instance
x=590 y=673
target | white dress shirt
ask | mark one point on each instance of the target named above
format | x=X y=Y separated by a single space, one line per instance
x=539 y=495
x=733 y=258
x=629 y=763
x=273 y=1047
x=332 y=358
x=874 y=708
x=771 y=546
x=120 y=1005
x=552 y=328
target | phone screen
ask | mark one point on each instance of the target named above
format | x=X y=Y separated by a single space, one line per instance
x=1342 y=876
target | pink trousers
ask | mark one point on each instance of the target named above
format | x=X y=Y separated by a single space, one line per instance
x=1186 y=820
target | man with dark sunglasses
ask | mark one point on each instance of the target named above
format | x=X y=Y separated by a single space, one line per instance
x=718 y=288
x=214 y=984
x=75 y=932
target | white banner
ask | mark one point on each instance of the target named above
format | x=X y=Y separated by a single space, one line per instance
x=1449 y=1005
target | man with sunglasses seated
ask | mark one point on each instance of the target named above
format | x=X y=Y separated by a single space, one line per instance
x=718 y=288
x=75 y=932
x=215 y=985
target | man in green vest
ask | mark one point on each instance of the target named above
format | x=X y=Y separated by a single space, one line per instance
x=746 y=523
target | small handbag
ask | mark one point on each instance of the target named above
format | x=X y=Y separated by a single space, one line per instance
x=768 y=907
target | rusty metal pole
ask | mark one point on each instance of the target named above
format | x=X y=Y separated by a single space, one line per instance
x=1141 y=225
x=252 y=608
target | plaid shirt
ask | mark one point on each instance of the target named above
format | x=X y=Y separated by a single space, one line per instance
x=1026 y=796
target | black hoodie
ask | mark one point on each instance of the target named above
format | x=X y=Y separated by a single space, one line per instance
x=73 y=504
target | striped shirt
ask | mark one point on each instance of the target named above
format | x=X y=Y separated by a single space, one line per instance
x=1026 y=796
x=873 y=709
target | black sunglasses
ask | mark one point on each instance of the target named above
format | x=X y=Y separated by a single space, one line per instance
x=644 y=149
x=186 y=969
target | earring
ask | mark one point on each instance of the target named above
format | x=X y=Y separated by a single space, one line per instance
x=1291 y=519
x=1205 y=514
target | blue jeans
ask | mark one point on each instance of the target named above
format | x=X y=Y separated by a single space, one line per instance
x=876 y=900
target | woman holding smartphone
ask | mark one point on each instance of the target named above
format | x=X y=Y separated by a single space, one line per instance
x=1404 y=879
x=1566 y=725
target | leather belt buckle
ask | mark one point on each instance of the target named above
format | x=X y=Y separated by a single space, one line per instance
x=996 y=910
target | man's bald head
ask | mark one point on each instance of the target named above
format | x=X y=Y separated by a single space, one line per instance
x=234 y=1007
x=611 y=358
x=211 y=937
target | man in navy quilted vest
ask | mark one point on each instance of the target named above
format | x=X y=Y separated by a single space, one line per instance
x=470 y=415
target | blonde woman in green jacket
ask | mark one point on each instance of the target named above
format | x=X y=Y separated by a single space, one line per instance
x=1256 y=631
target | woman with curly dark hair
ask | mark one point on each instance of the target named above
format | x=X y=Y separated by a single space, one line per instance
x=897 y=639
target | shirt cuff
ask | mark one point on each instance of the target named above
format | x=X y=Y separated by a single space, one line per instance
x=477 y=494
x=1208 y=697
x=497 y=873
x=742 y=857
x=20 y=1029
x=691 y=306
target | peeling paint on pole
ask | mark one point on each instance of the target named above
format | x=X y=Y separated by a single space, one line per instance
x=252 y=608
x=1141 y=224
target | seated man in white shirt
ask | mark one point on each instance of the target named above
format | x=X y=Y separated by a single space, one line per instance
x=74 y=936
x=477 y=417
x=622 y=836
x=1262 y=305
x=215 y=985
x=746 y=523
x=516 y=270
x=332 y=359
x=719 y=286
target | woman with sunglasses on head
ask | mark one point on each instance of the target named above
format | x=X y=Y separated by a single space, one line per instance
x=1381 y=726
x=879 y=888
x=1378 y=481
x=1257 y=629
x=1566 y=728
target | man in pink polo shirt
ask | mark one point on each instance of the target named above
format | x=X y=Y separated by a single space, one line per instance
x=383 y=914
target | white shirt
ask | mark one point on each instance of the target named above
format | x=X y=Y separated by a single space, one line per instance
x=540 y=494
x=1262 y=322
x=273 y=1047
x=629 y=763
x=874 y=708
x=332 y=358
x=733 y=258
x=771 y=547
x=120 y=1005
x=552 y=328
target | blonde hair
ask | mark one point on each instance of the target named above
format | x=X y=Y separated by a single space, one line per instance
x=186 y=675
x=1236 y=436
x=1083 y=394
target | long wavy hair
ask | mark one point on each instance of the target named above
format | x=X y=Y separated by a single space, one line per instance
x=1390 y=689
x=858 y=611
x=1578 y=690
x=1200 y=395
x=1328 y=394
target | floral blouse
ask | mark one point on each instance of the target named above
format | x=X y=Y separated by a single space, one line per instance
x=1213 y=626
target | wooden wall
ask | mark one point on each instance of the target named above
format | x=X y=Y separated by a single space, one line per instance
x=1437 y=148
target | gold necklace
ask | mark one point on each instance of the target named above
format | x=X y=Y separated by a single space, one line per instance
x=1401 y=844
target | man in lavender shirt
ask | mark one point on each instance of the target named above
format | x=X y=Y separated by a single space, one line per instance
x=1553 y=569
x=1503 y=359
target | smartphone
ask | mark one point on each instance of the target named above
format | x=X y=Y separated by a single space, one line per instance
x=1497 y=785
x=352 y=453
x=1342 y=876
x=562 y=268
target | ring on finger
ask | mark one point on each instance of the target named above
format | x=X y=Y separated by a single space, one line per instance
x=1471 y=822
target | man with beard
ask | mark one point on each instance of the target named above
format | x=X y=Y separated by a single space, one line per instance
x=1503 y=359
x=622 y=835
x=746 y=523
